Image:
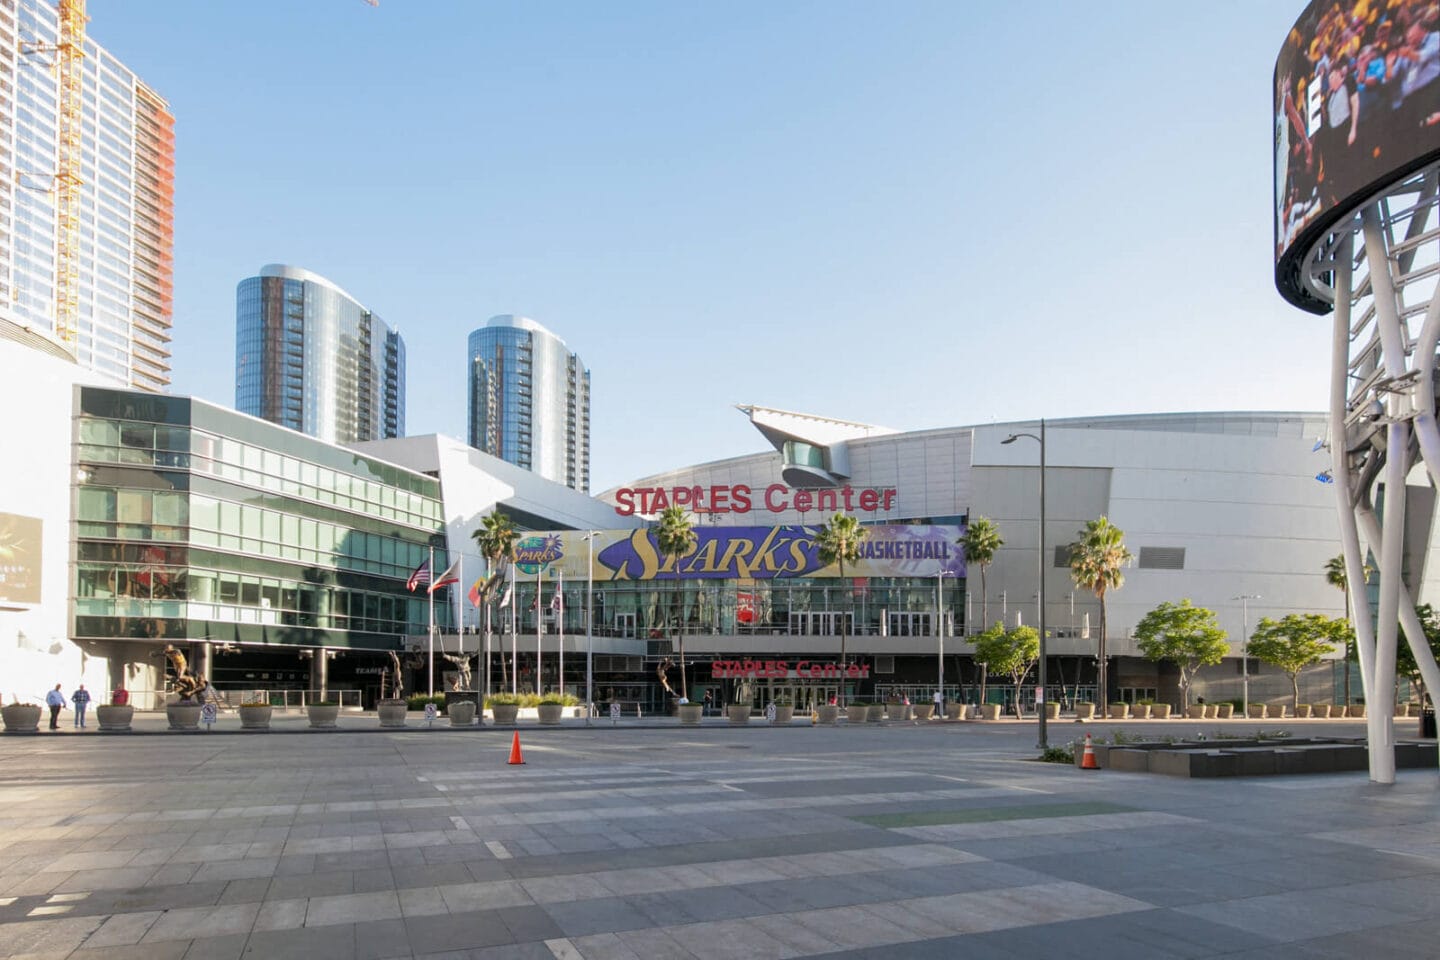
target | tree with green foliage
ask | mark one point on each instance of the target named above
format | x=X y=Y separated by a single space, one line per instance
x=1095 y=563
x=1405 y=665
x=838 y=542
x=675 y=537
x=1185 y=634
x=1297 y=640
x=1011 y=652
x=495 y=538
x=980 y=543
x=1336 y=576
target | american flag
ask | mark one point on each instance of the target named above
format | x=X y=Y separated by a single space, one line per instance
x=420 y=577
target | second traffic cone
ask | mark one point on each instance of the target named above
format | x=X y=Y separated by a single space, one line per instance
x=1087 y=761
x=515 y=756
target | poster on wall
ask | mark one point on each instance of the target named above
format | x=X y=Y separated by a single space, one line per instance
x=19 y=558
x=742 y=553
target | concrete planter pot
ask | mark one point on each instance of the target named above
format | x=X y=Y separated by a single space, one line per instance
x=1160 y=711
x=990 y=711
x=255 y=717
x=827 y=713
x=391 y=712
x=1212 y=711
x=1256 y=711
x=856 y=713
x=322 y=716
x=899 y=712
x=1302 y=711
x=461 y=713
x=21 y=718
x=183 y=716
x=738 y=713
x=1052 y=711
x=690 y=713
x=1196 y=711
x=115 y=718
x=1338 y=711
x=1118 y=711
x=1356 y=710
x=1140 y=711
x=922 y=711
x=1320 y=711
x=954 y=711
x=1224 y=711
x=550 y=712
x=505 y=713
x=1084 y=710
x=784 y=714
x=875 y=713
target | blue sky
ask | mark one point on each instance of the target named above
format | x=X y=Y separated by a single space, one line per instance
x=917 y=214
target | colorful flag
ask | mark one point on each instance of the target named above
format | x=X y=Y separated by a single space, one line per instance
x=474 y=593
x=449 y=576
x=420 y=577
x=509 y=591
x=557 y=602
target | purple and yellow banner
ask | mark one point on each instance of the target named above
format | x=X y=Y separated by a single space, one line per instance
x=736 y=553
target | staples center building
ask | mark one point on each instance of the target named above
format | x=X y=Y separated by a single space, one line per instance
x=1229 y=510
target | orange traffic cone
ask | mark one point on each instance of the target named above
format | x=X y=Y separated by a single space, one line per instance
x=1087 y=761
x=515 y=756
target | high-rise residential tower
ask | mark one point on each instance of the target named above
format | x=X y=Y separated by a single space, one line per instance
x=310 y=357
x=530 y=400
x=87 y=175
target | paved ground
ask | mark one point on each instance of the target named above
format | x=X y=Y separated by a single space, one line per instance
x=663 y=842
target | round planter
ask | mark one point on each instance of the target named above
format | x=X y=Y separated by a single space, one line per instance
x=1084 y=711
x=323 y=716
x=856 y=712
x=1338 y=711
x=461 y=713
x=1160 y=711
x=1320 y=711
x=1356 y=710
x=827 y=713
x=1052 y=711
x=391 y=712
x=1302 y=711
x=1212 y=711
x=899 y=712
x=183 y=716
x=1256 y=711
x=255 y=718
x=922 y=711
x=875 y=713
x=1196 y=711
x=738 y=712
x=784 y=714
x=990 y=711
x=21 y=718
x=1140 y=711
x=115 y=717
x=690 y=713
x=1224 y=711
x=954 y=711
x=550 y=712
x=1118 y=711
x=505 y=712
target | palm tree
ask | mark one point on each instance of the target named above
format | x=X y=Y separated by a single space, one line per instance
x=496 y=539
x=838 y=542
x=675 y=537
x=981 y=542
x=1095 y=563
x=1336 y=576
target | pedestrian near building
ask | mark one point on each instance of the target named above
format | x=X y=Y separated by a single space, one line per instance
x=120 y=697
x=81 y=699
x=939 y=705
x=55 y=700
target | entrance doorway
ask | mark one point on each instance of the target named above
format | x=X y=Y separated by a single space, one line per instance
x=805 y=696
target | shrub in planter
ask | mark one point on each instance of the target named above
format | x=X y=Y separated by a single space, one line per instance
x=690 y=713
x=1196 y=711
x=21 y=717
x=827 y=713
x=419 y=701
x=184 y=715
x=784 y=711
x=255 y=715
x=461 y=713
x=550 y=707
x=989 y=711
x=1224 y=711
x=1212 y=711
x=738 y=712
x=1338 y=711
x=1140 y=710
x=323 y=715
x=1119 y=711
x=1160 y=711
x=856 y=711
x=391 y=712
x=1084 y=710
x=504 y=707
x=115 y=717
x=1256 y=711
x=1052 y=710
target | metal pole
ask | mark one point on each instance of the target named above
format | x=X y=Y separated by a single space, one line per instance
x=1040 y=613
x=590 y=628
x=560 y=630
x=940 y=632
x=431 y=594
x=539 y=621
x=1245 y=599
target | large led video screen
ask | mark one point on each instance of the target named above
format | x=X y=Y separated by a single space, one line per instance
x=19 y=558
x=1357 y=103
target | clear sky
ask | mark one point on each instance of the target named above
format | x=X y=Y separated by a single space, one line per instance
x=911 y=213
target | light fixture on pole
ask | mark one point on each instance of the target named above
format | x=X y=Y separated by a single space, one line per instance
x=590 y=536
x=1040 y=573
x=1245 y=599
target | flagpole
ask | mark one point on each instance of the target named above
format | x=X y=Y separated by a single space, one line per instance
x=514 y=638
x=485 y=674
x=430 y=593
x=560 y=626
x=539 y=621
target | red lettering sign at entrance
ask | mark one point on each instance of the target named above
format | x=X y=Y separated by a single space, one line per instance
x=739 y=498
x=781 y=669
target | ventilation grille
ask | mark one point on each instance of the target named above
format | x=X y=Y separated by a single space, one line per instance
x=884 y=664
x=1162 y=558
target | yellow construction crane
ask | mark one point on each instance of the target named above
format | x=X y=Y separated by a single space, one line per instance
x=70 y=51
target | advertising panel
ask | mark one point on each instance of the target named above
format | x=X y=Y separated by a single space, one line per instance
x=1356 y=103
x=738 y=553
x=19 y=558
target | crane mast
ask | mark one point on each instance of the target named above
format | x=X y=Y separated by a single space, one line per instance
x=70 y=52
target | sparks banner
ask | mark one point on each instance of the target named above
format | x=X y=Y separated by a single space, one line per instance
x=734 y=553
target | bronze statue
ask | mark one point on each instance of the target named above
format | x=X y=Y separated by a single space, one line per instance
x=399 y=685
x=662 y=671
x=462 y=666
x=187 y=685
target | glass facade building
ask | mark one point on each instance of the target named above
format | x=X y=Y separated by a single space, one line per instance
x=310 y=357
x=123 y=267
x=194 y=523
x=530 y=400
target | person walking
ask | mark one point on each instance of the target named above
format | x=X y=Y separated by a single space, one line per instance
x=55 y=700
x=81 y=699
x=939 y=705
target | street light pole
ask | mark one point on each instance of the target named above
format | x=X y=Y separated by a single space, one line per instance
x=940 y=576
x=590 y=628
x=1044 y=741
x=1245 y=599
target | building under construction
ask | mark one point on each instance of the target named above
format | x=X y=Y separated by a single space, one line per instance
x=87 y=175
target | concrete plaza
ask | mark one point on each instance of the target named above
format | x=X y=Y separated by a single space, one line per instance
x=658 y=841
